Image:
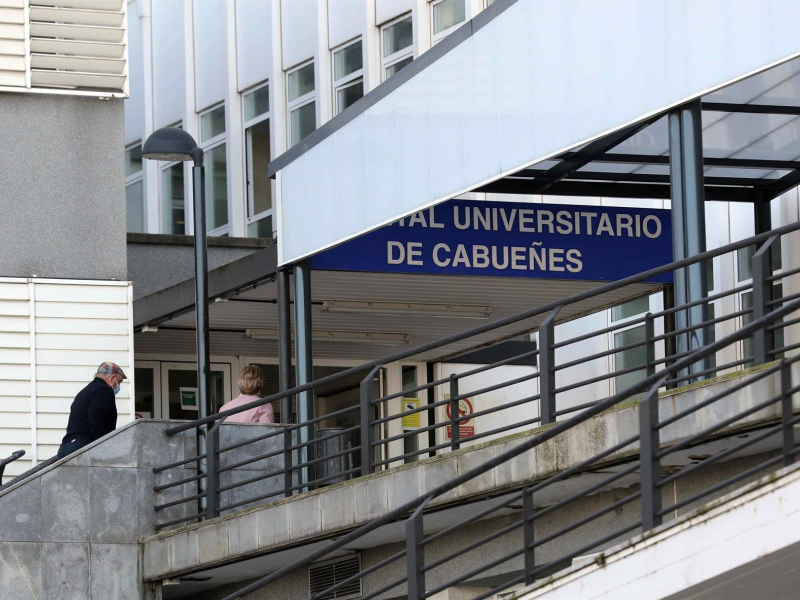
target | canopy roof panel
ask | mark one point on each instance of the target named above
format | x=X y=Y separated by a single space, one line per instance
x=583 y=85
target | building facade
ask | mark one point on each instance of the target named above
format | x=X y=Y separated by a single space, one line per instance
x=65 y=299
x=250 y=79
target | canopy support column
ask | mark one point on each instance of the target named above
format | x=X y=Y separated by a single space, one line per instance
x=285 y=368
x=304 y=363
x=688 y=222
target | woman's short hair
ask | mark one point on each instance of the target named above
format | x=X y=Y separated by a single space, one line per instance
x=251 y=380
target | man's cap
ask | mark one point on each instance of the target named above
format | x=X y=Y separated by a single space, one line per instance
x=109 y=368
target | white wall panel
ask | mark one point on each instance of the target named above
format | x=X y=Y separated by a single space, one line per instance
x=386 y=10
x=134 y=105
x=253 y=41
x=541 y=106
x=77 y=326
x=346 y=20
x=210 y=64
x=299 y=31
x=168 y=70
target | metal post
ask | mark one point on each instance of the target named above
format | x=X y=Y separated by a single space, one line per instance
x=669 y=327
x=212 y=479
x=415 y=555
x=201 y=310
x=650 y=345
x=455 y=426
x=762 y=213
x=547 y=374
x=688 y=222
x=285 y=371
x=367 y=431
x=304 y=363
x=527 y=535
x=787 y=413
x=762 y=295
x=650 y=466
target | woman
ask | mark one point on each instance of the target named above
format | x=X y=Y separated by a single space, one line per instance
x=251 y=384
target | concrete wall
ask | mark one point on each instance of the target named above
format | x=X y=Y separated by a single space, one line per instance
x=62 y=192
x=157 y=261
x=73 y=530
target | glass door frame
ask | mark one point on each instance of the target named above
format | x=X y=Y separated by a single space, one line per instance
x=155 y=365
x=166 y=366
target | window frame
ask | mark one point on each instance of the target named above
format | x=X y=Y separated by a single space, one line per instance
x=247 y=141
x=395 y=58
x=742 y=320
x=162 y=199
x=207 y=146
x=622 y=325
x=134 y=178
x=438 y=37
x=307 y=98
x=348 y=80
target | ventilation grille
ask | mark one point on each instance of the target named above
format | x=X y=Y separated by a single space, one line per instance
x=68 y=44
x=322 y=576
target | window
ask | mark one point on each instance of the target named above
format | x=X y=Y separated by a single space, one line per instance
x=446 y=15
x=397 y=46
x=134 y=188
x=744 y=271
x=212 y=123
x=257 y=157
x=302 y=104
x=634 y=307
x=744 y=260
x=348 y=75
x=633 y=357
x=212 y=137
x=778 y=336
x=173 y=203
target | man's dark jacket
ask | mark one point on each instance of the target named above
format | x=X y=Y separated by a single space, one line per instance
x=93 y=414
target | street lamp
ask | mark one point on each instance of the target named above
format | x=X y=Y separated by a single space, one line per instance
x=171 y=144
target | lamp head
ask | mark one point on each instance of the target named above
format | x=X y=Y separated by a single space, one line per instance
x=169 y=144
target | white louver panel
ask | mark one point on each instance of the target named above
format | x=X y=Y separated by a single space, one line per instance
x=69 y=45
x=12 y=43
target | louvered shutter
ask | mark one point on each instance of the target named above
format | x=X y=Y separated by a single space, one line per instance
x=75 y=45
x=322 y=576
x=12 y=43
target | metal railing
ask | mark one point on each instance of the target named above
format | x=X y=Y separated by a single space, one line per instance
x=14 y=456
x=376 y=428
x=770 y=440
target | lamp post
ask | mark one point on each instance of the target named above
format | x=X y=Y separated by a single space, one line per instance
x=171 y=144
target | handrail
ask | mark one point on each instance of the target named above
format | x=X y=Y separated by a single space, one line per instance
x=650 y=383
x=544 y=308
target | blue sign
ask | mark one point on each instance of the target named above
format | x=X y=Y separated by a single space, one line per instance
x=513 y=239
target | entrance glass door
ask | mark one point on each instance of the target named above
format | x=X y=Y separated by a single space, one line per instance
x=179 y=389
x=147 y=377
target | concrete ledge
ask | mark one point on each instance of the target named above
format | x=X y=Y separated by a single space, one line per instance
x=331 y=511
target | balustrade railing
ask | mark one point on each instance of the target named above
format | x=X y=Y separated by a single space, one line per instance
x=378 y=440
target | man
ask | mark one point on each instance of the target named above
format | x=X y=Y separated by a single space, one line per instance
x=93 y=413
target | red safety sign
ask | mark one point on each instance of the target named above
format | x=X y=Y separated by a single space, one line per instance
x=465 y=430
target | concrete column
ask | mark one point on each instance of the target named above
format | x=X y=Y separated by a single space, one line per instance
x=303 y=359
x=688 y=221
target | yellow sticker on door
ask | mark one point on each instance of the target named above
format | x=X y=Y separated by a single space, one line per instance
x=411 y=421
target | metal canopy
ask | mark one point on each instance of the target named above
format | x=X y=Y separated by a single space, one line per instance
x=544 y=97
x=751 y=149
